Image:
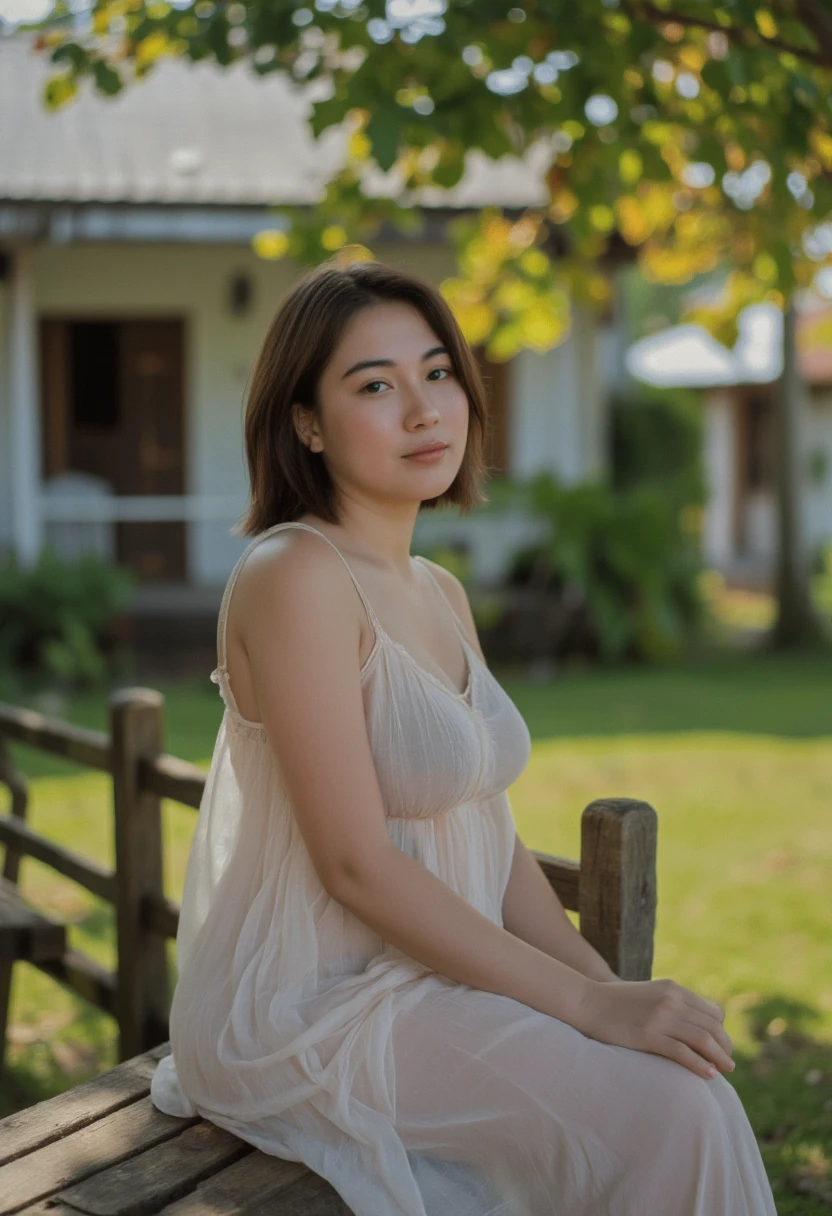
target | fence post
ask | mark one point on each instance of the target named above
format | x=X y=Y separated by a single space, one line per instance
x=137 y=730
x=617 y=885
x=16 y=784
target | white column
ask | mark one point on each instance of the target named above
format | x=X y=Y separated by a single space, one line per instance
x=720 y=459
x=24 y=413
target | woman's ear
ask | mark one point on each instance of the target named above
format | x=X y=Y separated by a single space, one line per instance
x=305 y=427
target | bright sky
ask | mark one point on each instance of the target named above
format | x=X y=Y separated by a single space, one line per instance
x=14 y=11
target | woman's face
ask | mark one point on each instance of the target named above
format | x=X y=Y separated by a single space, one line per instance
x=389 y=389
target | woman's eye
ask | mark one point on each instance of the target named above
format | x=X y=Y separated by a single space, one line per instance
x=447 y=370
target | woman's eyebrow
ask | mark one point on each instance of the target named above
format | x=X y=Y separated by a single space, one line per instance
x=357 y=367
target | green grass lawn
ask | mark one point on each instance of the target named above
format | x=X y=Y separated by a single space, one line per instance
x=735 y=754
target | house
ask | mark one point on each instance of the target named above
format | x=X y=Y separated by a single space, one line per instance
x=132 y=307
x=738 y=392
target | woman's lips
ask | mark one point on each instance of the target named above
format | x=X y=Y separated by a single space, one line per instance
x=431 y=456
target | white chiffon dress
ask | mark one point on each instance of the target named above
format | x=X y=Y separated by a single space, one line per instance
x=302 y=1031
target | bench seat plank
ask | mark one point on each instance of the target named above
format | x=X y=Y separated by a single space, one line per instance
x=122 y=1134
x=26 y=935
x=240 y=1188
x=143 y=1184
x=39 y=1125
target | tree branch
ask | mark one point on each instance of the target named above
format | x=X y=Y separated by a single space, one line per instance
x=813 y=14
x=740 y=35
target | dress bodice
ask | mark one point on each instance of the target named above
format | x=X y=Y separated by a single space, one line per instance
x=433 y=748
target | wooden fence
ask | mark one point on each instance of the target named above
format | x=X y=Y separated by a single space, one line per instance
x=612 y=888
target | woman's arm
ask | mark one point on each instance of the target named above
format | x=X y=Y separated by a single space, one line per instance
x=533 y=912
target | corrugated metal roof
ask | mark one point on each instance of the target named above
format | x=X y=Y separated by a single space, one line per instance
x=196 y=133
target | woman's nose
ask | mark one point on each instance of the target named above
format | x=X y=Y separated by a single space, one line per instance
x=422 y=406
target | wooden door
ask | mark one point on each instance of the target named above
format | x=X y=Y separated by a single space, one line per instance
x=113 y=406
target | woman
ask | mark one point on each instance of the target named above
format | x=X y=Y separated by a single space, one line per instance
x=375 y=977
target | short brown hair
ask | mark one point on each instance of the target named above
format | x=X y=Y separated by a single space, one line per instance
x=286 y=478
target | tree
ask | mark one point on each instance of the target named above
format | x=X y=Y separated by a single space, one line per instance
x=690 y=136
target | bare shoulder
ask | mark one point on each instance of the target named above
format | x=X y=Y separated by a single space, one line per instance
x=455 y=591
x=295 y=574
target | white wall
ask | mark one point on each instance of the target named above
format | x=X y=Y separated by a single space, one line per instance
x=720 y=464
x=558 y=415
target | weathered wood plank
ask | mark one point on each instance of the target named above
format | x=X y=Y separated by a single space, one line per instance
x=96 y=878
x=88 y=747
x=141 y=1185
x=311 y=1196
x=15 y=782
x=257 y=1179
x=84 y=976
x=39 y=1125
x=47 y=1208
x=101 y=1144
x=25 y=933
x=137 y=727
x=160 y=915
x=564 y=877
x=170 y=777
x=618 y=883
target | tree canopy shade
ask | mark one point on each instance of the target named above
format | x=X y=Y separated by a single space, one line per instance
x=698 y=134
x=694 y=136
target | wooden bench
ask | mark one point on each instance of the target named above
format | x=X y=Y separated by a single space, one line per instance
x=102 y=1148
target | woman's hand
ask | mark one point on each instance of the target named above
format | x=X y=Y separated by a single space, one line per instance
x=659 y=1016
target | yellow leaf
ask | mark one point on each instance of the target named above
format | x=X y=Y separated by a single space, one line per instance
x=542 y=329
x=270 y=243
x=630 y=166
x=822 y=143
x=358 y=146
x=150 y=48
x=354 y=252
x=333 y=237
x=563 y=206
x=534 y=262
x=476 y=322
x=632 y=221
x=766 y=23
x=602 y=217
x=573 y=129
x=676 y=266
x=512 y=295
x=693 y=57
x=58 y=91
x=505 y=343
x=765 y=267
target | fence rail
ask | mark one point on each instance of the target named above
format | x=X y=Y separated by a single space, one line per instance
x=612 y=888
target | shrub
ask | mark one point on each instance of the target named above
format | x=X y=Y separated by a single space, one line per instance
x=57 y=617
x=628 y=560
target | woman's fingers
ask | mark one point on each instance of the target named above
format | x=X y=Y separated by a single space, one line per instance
x=708 y=1042
x=714 y=1028
x=704 y=1006
x=682 y=1054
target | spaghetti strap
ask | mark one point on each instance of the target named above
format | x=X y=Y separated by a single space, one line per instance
x=222 y=620
x=454 y=614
